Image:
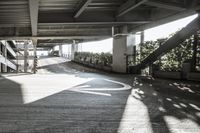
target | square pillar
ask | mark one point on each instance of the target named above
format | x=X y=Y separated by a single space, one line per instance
x=4 y=53
x=26 y=56
x=123 y=46
x=60 y=50
x=74 y=48
x=35 y=61
x=141 y=43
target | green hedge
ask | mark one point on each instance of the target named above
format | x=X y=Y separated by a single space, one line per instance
x=173 y=60
x=94 y=58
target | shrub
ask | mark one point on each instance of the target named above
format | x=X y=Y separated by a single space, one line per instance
x=171 y=61
x=95 y=58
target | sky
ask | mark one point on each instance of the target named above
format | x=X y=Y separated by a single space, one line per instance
x=150 y=34
x=167 y=29
x=98 y=46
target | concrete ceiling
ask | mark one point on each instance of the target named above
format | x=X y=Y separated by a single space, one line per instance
x=85 y=20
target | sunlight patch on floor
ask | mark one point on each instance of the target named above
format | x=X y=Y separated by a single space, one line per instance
x=51 y=61
x=176 y=125
x=39 y=86
x=36 y=87
x=130 y=123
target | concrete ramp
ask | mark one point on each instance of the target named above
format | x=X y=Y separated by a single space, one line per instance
x=59 y=65
x=171 y=43
x=52 y=65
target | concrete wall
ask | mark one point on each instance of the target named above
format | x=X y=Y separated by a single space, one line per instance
x=169 y=75
x=193 y=76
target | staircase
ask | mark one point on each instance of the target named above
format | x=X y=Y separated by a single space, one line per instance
x=168 y=45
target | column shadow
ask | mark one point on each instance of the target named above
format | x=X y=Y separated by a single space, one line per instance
x=169 y=99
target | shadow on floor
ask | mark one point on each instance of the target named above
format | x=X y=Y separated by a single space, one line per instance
x=173 y=106
x=11 y=102
x=14 y=74
x=67 y=111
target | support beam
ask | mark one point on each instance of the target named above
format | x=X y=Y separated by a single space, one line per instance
x=164 y=5
x=128 y=6
x=82 y=8
x=186 y=13
x=94 y=23
x=34 y=6
x=52 y=37
x=92 y=18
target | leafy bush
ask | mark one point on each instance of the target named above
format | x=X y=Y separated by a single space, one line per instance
x=171 y=61
x=94 y=58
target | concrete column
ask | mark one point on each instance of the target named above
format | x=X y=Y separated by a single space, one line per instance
x=74 y=48
x=141 y=43
x=17 y=57
x=194 y=56
x=35 y=55
x=26 y=56
x=142 y=37
x=4 y=53
x=49 y=51
x=122 y=46
x=60 y=51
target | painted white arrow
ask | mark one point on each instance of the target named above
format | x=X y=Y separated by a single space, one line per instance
x=84 y=89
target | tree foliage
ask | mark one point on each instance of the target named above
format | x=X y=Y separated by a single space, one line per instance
x=173 y=60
